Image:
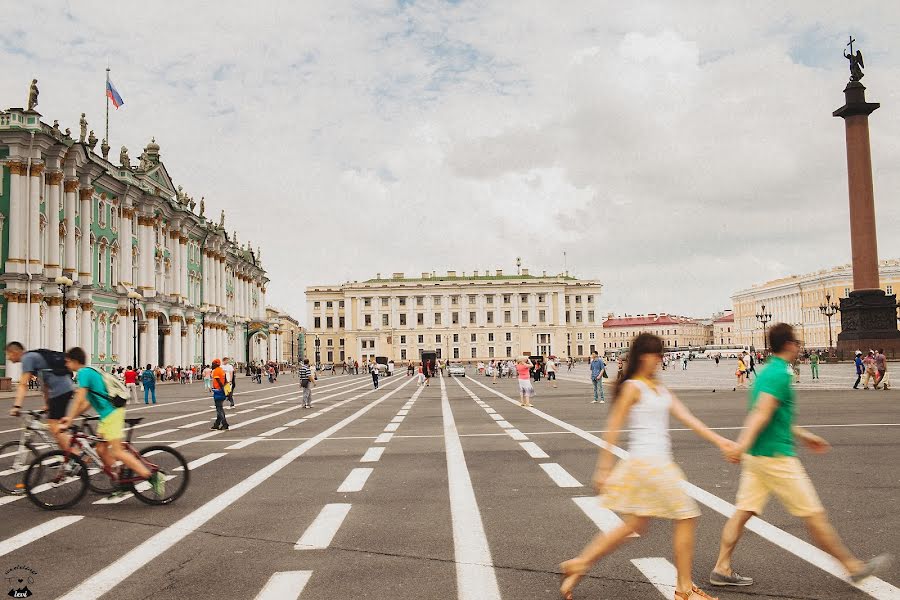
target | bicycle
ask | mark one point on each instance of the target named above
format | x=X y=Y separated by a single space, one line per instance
x=60 y=479
x=16 y=455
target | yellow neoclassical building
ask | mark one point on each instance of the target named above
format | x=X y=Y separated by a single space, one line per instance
x=796 y=300
x=468 y=317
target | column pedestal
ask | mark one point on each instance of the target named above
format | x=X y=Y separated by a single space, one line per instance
x=868 y=322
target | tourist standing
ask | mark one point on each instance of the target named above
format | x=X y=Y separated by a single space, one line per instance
x=307 y=381
x=420 y=378
x=207 y=378
x=218 y=386
x=860 y=369
x=526 y=388
x=740 y=372
x=130 y=377
x=229 y=379
x=880 y=368
x=814 y=364
x=551 y=370
x=766 y=449
x=374 y=368
x=647 y=484
x=598 y=374
x=148 y=380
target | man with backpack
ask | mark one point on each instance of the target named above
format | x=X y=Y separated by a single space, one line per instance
x=107 y=396
x=148 y=379
x=56 y=383
x=307 y=381
x=218 y=385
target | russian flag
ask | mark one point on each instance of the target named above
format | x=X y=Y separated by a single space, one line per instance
x=113 y=95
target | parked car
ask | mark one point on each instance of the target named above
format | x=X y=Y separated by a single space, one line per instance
x=456 y=370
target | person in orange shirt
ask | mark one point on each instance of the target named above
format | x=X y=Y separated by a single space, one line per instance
x=218 y=388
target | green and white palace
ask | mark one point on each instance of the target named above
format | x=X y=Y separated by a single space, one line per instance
x=117 y=259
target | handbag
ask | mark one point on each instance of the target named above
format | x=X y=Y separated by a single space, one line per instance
x=218 y=394
x=604 y=374
x=228 y=388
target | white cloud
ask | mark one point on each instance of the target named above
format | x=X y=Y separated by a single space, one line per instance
x=676 y=152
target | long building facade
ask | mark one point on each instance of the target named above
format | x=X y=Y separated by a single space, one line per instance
x=678 y=333
x=476 y=317
x=148 y=266
x=796 y=300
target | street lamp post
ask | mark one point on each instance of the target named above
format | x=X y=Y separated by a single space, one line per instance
x=247 y=345
x=133 y=299
x=765 y=318
x=317 y=351
x=829 y=309
x=64 y=284
x=203 y=310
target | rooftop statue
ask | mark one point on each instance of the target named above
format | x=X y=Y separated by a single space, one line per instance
x=33 y=95
x=83 y=124
x=202 y=205
x=123 y=158
x=222 y=219
x=92 y=140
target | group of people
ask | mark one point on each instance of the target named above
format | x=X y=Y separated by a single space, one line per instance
x=648 y=483
x=874 y=367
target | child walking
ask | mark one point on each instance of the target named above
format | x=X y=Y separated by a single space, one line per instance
x=646 y=484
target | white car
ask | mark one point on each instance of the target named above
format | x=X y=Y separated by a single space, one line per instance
x=456 y=370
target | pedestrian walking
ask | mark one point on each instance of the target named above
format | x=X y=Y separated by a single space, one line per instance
x=766 y=449
x=218 y=385
x=860 y=369
x=881 y=368
x=684 y=361
x=148 y=380
x=229 y=380
x=551 y=370
x=130 y=378
x=740 y=373
x=871 y=371
x=375 y=374
x=307 y=381
x=526 y=388
x=598 y=374
x=814 y=364
x=647 y=484
x=207 y=378
x=420 y=377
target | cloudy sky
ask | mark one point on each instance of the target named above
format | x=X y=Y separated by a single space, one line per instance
x=677 y=152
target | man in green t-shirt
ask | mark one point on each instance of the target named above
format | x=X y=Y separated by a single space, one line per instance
x=814 y=364
x=767 y=453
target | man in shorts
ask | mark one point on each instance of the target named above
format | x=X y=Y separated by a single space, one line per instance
x=56 y=385
x=307 y=381
x=767 y=453
x=92 y=392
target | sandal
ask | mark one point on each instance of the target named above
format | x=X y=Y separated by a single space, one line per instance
x=572 y=572
x=695 y=592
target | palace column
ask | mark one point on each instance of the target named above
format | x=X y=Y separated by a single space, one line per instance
x=221 y=272
x=143 y=345
x=54 y=179
x=184 y=282
x=14 y=328
x=145 y=277
x=34 y=221
x=70 y=189
x=54 y=323
x=85 y=272
x=262 y=304
x=126 y=348
x=152 y=355
x=87 y=329
x=17 y=209
x=204 y=272
x=191 y=339
x=126 y=258
x=72 y=334
x=166 y=331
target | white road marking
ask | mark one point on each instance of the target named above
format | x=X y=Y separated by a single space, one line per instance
x=403 y=412
x=383 y=438
x=560 y=476
x=505 y=424
x=355 y=480
x=272 y=431
x=372 y=454
x=36 y=533
x=660 y=572
x=294 y=422
x=497 y=417
x=605 y=519
x=322 y=530
x=194 y=424
x=392 y=426
x=113 y=574
x=203 y=460
x=285 y=585
x=397 y=420
x=489 y=410
x=516 y=434
x=875 y=587
x=533 y=450
x=156 y=434
x=475 y=577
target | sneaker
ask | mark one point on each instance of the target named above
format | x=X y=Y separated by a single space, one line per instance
x=593 y=402
x=694 y=594
x=736 y=579
x=876 y=565
x=158 y=484
x=116 y=493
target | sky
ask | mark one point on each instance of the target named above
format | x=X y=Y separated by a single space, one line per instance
x=676 y=152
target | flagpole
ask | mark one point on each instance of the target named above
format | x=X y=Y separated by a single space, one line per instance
x=107 y=105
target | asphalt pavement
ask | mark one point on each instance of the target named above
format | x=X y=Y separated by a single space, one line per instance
x=451 y=491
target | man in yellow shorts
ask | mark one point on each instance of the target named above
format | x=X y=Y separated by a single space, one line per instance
x=766 y=450
x=92 y=391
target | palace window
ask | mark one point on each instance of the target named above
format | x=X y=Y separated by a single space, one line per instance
x=402 y=300
x=420 y=301
x=590 y=316
x=402 y=339
x=367 y=302
x=436 y=300
x=591 y=335
x=385 y=301
x=402 y=353
x=578 y=316
x=385 y=320
x=367 y=320
x=542 y=316
x=402 y=319
x=473 y=337
x=524 y=316
x=490 y=352
x=474 y=353
x=542 y=298
x=490 y=316
x=523 y=298
x=507 y=316
x=329 y=322
x=456 y=353
x=509 y=352
x=490 y=337
x=437 y=339
x=420 y=318
x=489 y=298
x=454 y=318
x=341 y=304
x=454 y=300
x=579 y=336
x=421 y=339
x=507 y=298
x=341 y=322
x=590 y=299
x=455 y=338
x=577 y=299
x=472 y=298
x=328 y=305
x=472 y=318
x=508 y=336
x=317 y=322
x=437 y=318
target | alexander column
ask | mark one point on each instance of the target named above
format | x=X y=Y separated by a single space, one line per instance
x=868 y=315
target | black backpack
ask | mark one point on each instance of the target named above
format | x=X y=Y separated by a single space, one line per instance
x=56 y=362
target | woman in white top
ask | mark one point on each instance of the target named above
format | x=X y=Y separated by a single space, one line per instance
x=646 y=483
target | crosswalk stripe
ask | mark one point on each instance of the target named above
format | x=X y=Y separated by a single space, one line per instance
x=36 y=533
x=660 y=572
x=194 y=424
x=560 y=476
x=384 y=438
x=243 y=444
x=294 y=422
x=116 y=572
x=497 y=417
x=203 y=460
x=605 y=519
x=285 y=585
x=475 y=577
x=322 y=530
x=272 y=431
x=392 y=426
x=533 y=450
x=157 y=434
x=372 y=454
x=397 y=419
x=516 y=434
x=355 y=481
x=505 y=424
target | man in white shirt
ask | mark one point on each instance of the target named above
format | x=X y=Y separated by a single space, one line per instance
x=229 y=378
x=551 y=370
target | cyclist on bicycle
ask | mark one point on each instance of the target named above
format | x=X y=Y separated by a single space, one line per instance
x=91 y=390
x=56 y=384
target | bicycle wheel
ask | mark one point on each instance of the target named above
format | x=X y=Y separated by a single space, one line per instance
x=14 y=460
x=99 y=481
x=174 y=469
x=53 y=482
